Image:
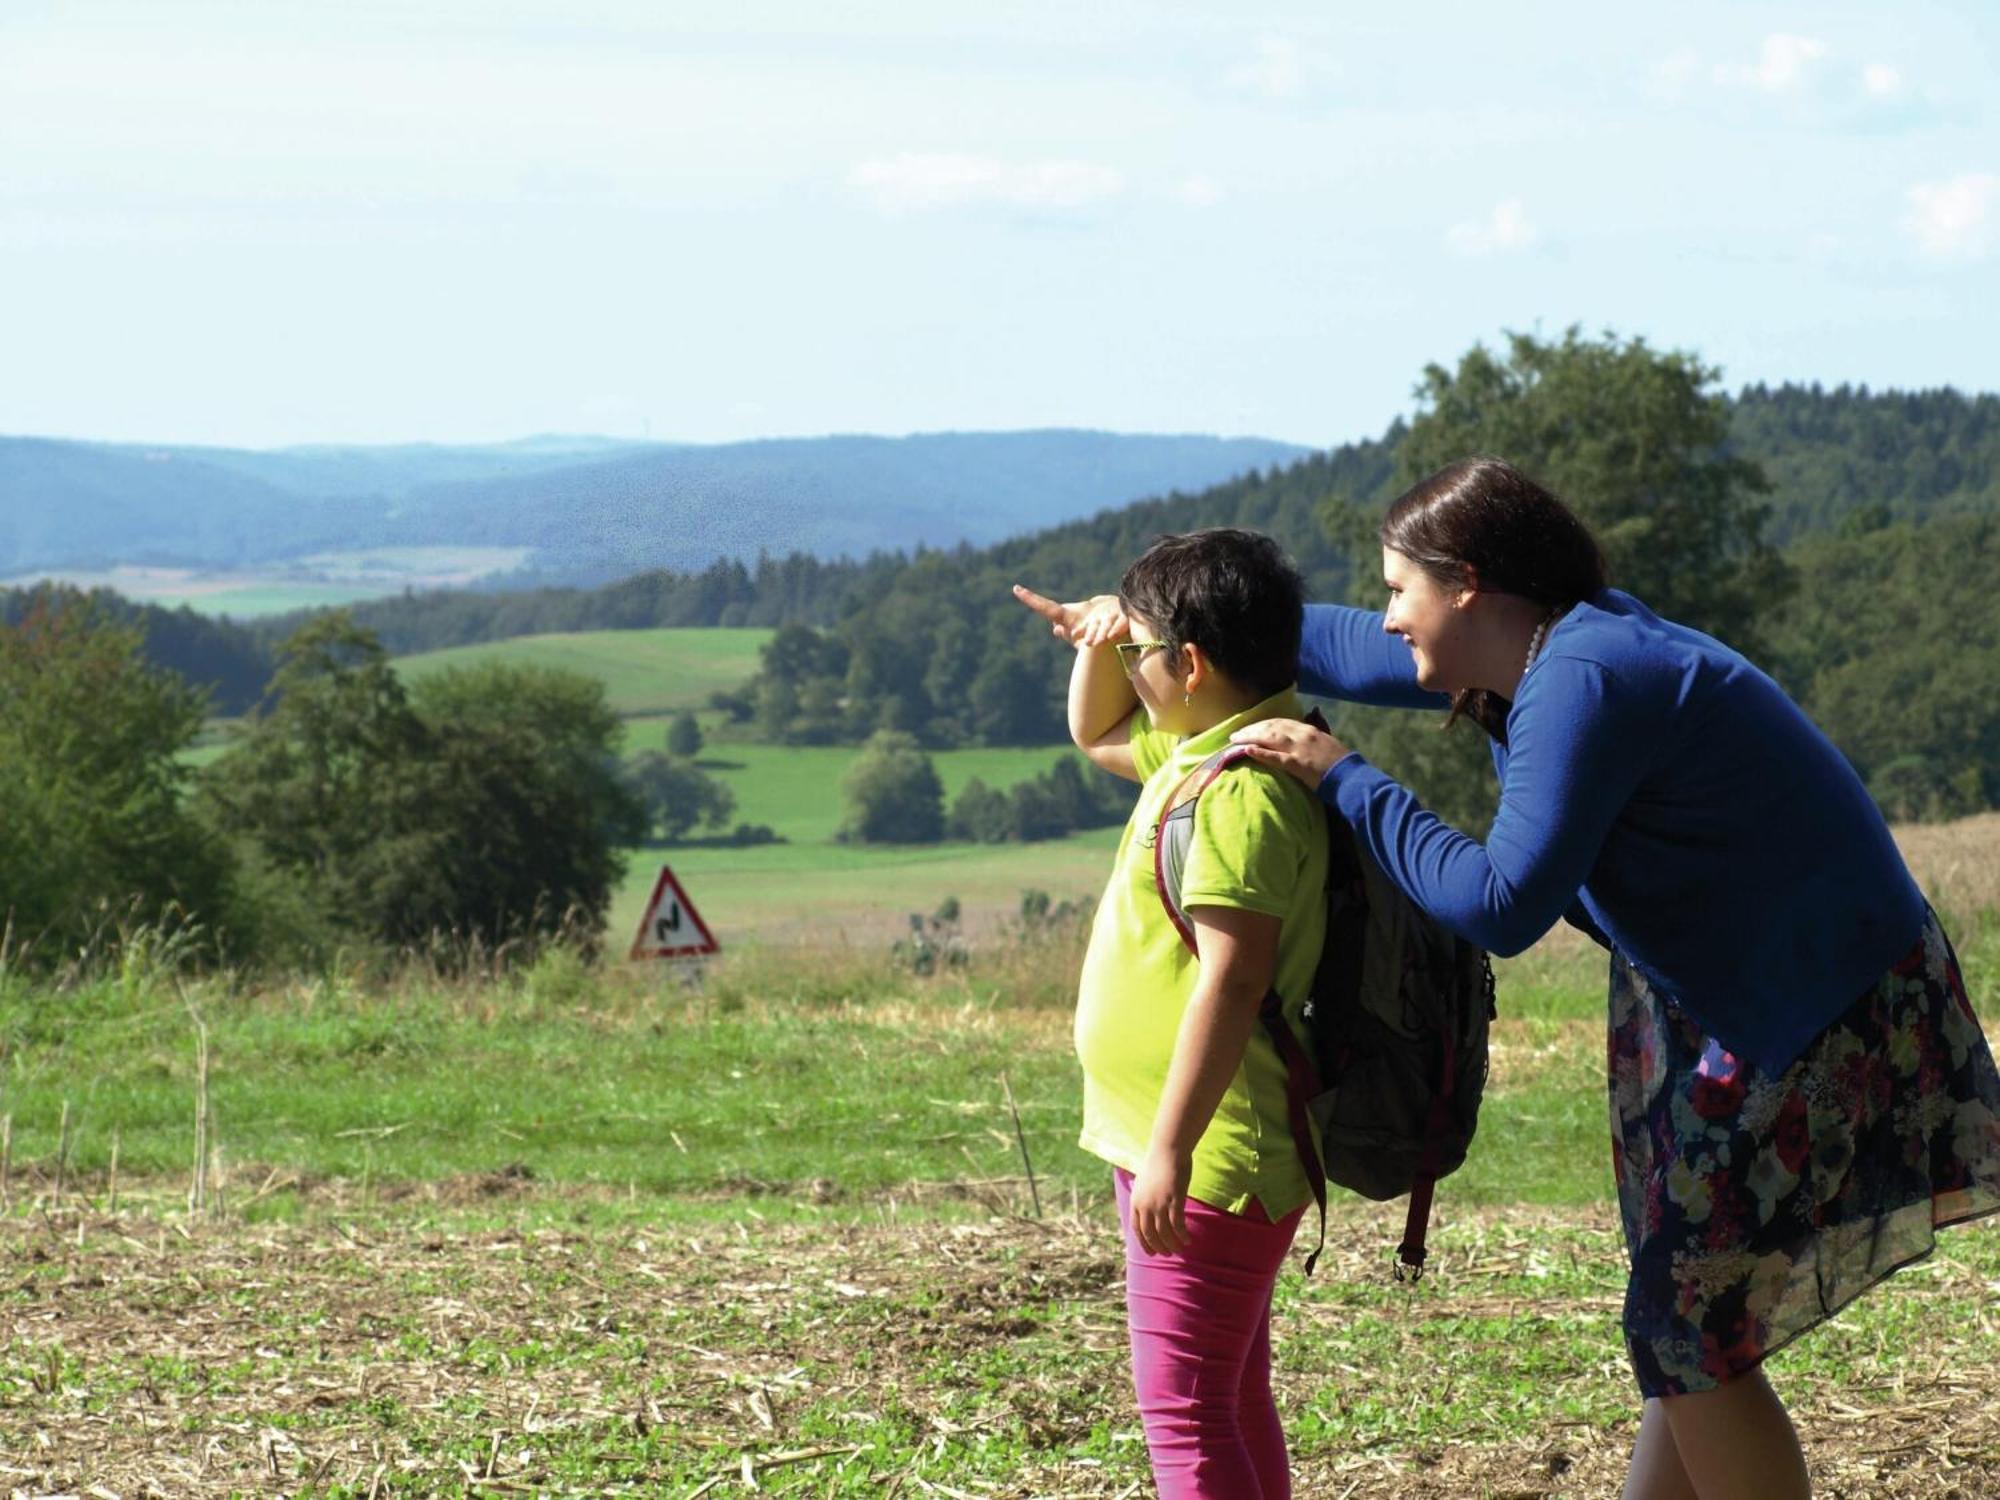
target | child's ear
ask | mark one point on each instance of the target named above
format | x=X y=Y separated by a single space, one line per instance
x=1195 y=668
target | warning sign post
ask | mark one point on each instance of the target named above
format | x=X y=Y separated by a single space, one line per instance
x=671 y=927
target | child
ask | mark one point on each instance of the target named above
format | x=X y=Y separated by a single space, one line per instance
x=1184 y=1094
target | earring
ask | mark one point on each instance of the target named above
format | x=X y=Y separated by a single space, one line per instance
x=1187 y=698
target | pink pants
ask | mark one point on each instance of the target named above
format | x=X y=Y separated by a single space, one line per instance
x=1201 y=1353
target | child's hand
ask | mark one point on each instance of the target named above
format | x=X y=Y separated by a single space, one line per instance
x=1089 y=622
x=1159 y=1201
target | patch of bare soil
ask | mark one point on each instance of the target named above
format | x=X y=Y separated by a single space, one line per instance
x=142 y=1358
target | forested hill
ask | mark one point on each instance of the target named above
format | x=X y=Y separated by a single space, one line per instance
x=1836 y=457
x=800 y=589
x=228 y=661
x=1831 y=453
x=1905 y=675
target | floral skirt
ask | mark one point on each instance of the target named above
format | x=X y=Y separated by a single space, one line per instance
x=1757 y=1205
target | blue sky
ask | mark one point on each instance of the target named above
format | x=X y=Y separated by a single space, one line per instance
x=272 y=222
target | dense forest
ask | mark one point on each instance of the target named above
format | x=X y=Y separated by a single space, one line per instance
x=230 y=663
x=1832 y=453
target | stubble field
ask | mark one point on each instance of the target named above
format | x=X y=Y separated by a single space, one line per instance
x=566 y=1231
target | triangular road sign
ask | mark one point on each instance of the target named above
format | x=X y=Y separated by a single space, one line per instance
x=671 y=927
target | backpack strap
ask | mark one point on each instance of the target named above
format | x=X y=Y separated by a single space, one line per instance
x=1301 y=1085
x=1411 y=1254
x=1171 y=837
x=1175 y=831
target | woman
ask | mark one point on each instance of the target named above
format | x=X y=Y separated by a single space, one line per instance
x=1800 y=1093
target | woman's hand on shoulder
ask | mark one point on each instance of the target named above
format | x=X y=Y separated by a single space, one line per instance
x=1293 y=747
x=1087 y=622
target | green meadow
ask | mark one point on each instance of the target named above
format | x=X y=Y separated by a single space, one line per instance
x=809 y=886
x=796 y=788
x=643 y=671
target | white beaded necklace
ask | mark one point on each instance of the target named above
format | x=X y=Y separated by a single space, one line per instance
x=1540 y=635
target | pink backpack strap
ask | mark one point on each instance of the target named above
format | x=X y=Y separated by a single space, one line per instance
x=1168 y=852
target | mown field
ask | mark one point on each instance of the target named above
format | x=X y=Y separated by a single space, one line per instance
x=574 y=1231
x=644 y=672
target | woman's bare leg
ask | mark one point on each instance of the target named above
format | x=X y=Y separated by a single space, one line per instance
x=1736 y=1442
x=1656 y=1472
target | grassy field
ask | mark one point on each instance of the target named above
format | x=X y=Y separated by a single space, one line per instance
x=808 y=887
x=814 y=894
x=572 y=1231
x=643 y=671
x=796 y=788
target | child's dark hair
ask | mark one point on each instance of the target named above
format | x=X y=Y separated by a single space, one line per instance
x=1233 y=593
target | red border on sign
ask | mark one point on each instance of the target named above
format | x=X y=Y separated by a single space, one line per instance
x=640 y=948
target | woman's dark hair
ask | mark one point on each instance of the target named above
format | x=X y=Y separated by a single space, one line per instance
x=1482 y=520
x=1233 y=593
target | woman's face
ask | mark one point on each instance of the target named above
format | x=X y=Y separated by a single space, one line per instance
x=1423 y=612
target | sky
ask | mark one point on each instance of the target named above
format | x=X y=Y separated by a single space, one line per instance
x=267 y=222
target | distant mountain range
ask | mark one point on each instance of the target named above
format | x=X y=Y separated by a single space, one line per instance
x=589 y=509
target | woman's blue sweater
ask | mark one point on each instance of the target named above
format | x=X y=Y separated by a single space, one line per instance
x=1659 y=789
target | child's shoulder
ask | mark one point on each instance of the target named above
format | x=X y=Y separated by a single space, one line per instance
x=1263 y=799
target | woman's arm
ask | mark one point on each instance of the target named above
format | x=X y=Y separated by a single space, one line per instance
x=1345 y=653
x=1238 y=954
x=1579 y=742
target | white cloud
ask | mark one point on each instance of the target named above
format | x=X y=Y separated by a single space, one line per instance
x=1278 y=72
x=1954 y=219
x=1881 y=80
x=1198 y=191
x=915 y=180
x=1505 y=231
x=1674 y=72
x=1782 y=67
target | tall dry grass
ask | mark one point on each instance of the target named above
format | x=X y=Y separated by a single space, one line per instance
x=1957 y=864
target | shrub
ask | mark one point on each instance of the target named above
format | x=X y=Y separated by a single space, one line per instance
x=893 y=793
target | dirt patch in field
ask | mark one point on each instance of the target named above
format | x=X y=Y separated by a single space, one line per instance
x=142 y=1358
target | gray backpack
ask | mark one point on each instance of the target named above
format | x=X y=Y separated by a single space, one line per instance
x=1392 y=1062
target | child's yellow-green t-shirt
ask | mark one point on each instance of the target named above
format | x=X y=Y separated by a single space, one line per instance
x=1259 y=844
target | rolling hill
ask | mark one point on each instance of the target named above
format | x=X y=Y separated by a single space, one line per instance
x=588 y=510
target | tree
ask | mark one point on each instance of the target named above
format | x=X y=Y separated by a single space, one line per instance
x=677 y=797
x=1009 y=697
x=1636 y=442
x=326 y=783
x=529 y=810
x=893 y=793
x=1893 y=647
x=486 y=804
x=979 y=814
x=684 y=736
x=93 y=821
